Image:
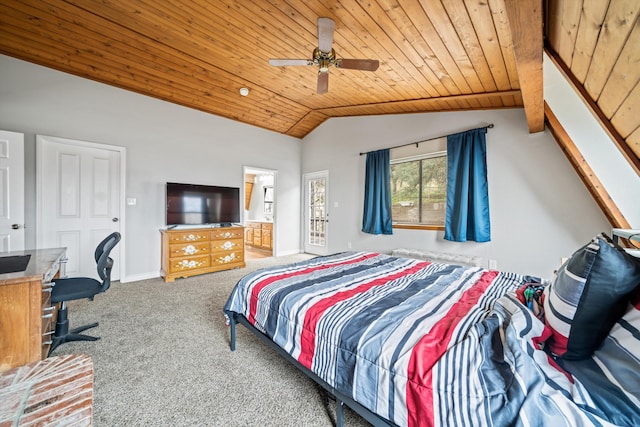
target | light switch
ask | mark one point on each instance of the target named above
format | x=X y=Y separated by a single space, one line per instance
x=131 y=201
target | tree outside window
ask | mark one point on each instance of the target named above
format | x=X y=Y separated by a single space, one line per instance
x=419 y=190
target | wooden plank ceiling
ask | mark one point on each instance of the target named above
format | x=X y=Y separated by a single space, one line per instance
x=597 y=44
x=435 y=55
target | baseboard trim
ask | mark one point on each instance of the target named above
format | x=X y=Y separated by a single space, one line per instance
x=286 y=253
x=147 y=276
x=139 y=277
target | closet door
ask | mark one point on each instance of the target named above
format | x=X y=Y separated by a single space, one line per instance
x=79 y=200
x=11 y=191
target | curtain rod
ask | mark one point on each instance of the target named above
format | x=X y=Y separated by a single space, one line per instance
x=489 y=126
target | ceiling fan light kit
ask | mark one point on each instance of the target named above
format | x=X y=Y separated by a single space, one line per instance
x=324 y=59
x=324 y=56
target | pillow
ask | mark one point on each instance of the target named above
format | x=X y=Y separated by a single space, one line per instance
x=626 y=333
x=588 y=295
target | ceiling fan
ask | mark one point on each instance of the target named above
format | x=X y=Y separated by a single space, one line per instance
x=324 y=56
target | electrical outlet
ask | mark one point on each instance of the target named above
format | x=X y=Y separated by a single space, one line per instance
x=493 y=264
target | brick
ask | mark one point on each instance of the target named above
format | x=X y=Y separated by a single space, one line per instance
x=52 y=391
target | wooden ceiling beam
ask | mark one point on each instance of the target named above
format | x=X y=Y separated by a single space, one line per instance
x=525 y=21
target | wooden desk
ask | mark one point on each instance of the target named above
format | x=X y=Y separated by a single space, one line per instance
x=26 y=314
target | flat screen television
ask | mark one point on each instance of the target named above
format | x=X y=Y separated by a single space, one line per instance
x=192 y=204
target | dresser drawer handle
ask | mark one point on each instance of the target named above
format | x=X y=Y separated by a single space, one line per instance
x=48 y=289
x=48 y=316
x=47 y=342
x=48 y=333
x=50 y=308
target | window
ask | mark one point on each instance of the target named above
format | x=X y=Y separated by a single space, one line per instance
x=419 y=191
x=268 y=200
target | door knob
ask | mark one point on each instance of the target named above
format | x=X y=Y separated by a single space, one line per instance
x=114 y=219
x=16 y=226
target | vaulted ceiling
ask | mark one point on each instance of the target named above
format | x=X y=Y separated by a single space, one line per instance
x=597 y=45
x=435 y=55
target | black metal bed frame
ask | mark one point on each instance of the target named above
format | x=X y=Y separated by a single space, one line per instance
x=341 y=399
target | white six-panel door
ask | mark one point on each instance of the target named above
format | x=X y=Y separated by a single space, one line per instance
x=79 y=200
x=11 y=191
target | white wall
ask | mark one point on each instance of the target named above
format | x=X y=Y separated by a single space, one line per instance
x=164 y=142
x=615 y=173
x=540 y=210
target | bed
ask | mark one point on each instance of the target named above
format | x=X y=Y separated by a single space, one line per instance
x=410 y=342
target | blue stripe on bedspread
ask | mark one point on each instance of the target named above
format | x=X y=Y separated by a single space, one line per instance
x=491 y=372
x=382 y=322
x=312 y=285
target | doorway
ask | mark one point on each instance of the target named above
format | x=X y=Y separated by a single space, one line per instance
x=259 y=212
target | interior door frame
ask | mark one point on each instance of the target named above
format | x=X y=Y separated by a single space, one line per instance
x=40 y=141
x=274 y=214
x=305 y=204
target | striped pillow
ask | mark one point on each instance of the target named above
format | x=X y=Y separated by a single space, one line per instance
x=626 y=333
x=588 y=295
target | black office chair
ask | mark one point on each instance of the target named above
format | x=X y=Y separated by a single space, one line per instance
x=68 y=289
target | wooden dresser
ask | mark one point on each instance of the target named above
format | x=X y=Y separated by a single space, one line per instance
x=27 y=318
x=259 y=234
x=188 y=252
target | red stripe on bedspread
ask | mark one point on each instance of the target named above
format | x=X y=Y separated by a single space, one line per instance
x=258 y=287
x=635 y=298
x=315 y=313
x=431 y=347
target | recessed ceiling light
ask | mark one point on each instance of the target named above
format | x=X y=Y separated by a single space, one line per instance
x=244 y=91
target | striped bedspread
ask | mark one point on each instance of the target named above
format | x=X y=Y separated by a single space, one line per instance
x=422 y=343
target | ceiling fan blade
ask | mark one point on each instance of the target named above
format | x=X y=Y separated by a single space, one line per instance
x=358 y=64
x=285 y=62
x=325 y=34
x=323 y=82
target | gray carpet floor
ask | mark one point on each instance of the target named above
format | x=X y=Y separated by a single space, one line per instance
x=164 y=359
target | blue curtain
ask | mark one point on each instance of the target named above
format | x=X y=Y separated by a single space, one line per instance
x=467 y=214
x=377 y=194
